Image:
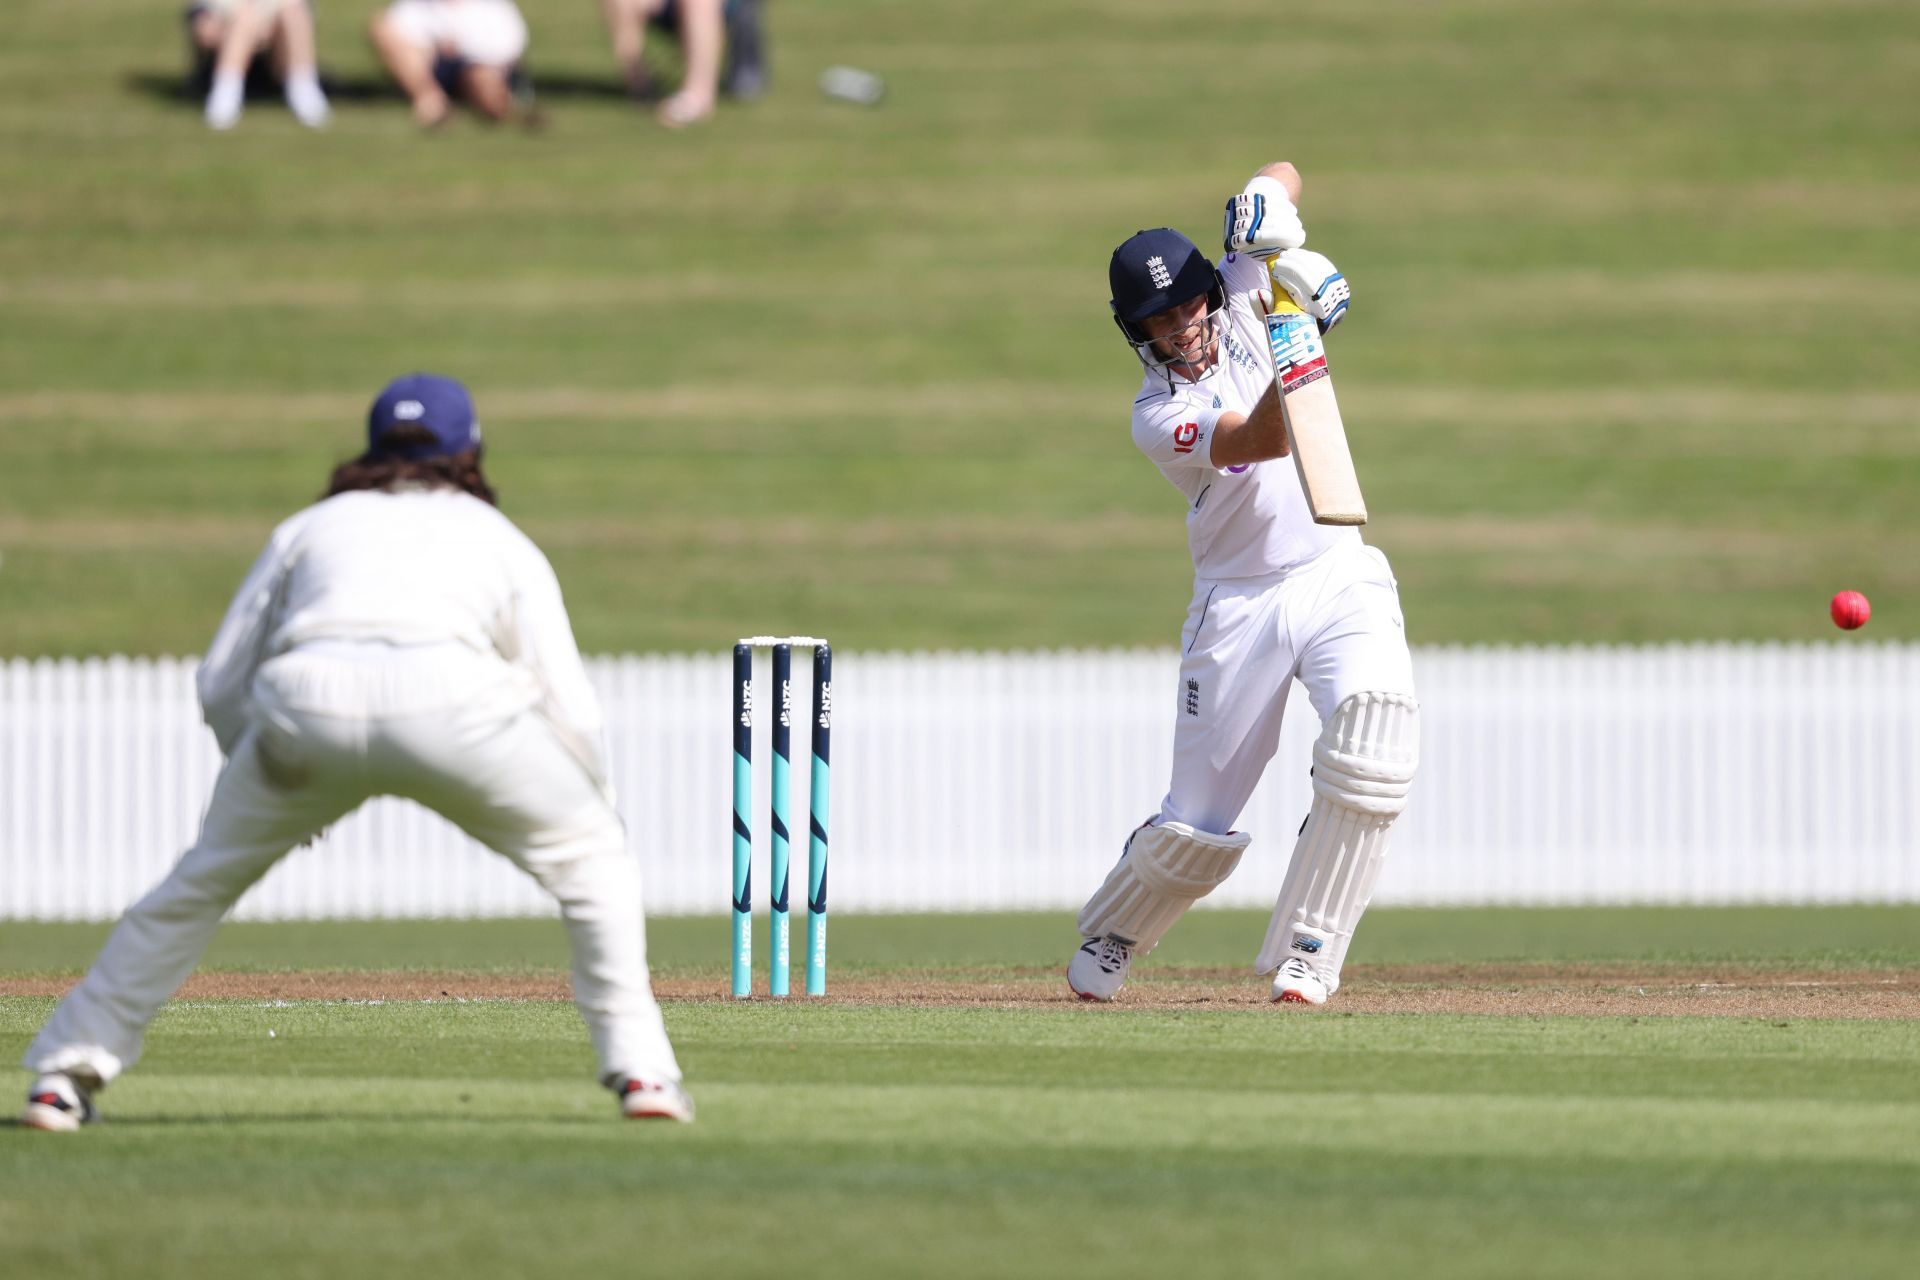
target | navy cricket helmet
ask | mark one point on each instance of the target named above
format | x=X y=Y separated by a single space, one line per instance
x=1154 y=271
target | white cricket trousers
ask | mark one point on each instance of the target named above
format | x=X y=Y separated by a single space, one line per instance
x=1333 y=623
x=484 y=761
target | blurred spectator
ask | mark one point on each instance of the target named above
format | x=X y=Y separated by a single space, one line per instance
x=228 y=35
x=704 y=29
x=441 y=49
x=745 y=75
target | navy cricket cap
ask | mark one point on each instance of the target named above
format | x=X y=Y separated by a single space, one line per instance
x=1155 y=270
x=428 y=400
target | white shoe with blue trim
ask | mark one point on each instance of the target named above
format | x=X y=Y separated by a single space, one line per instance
x=1099 y=968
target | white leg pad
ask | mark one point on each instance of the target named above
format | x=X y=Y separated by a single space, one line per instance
x=1164 y=869
x=1363 y=767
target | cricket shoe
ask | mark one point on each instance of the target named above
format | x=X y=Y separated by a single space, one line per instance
x=1099 y=968
x=59 y=1103
x=653 y=1100
x=1298 y=982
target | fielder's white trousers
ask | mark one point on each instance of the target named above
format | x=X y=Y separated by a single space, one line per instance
x=482 y=759
x=1333 y=623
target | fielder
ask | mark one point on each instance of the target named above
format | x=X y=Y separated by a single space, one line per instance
x=1277 y=598
x=400 y=637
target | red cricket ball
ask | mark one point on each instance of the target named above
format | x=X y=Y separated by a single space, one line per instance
x=1850 y=610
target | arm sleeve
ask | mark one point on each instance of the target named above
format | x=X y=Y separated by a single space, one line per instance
x=543 y=642
x=1174 y=433
x=227 y=670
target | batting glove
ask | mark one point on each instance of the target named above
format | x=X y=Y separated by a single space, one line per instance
x=1261 y=221
x=1314 y=283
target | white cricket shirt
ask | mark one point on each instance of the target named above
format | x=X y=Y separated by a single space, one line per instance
x=1250 y=521
x=366 y=572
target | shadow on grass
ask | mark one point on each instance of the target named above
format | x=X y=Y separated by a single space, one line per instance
x=175 y=88
x=609 y=1115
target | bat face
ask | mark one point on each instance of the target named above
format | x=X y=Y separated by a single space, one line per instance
x=1314 y=429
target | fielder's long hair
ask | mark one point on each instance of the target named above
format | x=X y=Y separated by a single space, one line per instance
x=381 y=471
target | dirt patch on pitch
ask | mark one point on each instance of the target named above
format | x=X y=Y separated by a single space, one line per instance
x=1499 y=990
x=1510 y=991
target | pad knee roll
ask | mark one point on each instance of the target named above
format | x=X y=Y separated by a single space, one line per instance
x=1366 y=756
x=1165 y=869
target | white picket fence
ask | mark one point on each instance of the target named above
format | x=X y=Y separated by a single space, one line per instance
x=1677 y=774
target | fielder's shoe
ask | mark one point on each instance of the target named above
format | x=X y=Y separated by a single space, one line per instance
x=653 y=1100
x=1099 y=968
x=1299 y=983
x=59 y=1103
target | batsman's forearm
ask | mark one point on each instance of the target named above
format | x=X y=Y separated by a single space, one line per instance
x=1257 y=437
x=1286 y=175
x=1267 y=425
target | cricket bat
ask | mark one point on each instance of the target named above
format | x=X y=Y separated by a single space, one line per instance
x=1315 y=434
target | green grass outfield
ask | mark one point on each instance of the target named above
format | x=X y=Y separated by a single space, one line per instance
x=1630 y=357
x=464 y=1139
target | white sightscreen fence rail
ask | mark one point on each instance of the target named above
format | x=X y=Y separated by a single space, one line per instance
x=1683 y=774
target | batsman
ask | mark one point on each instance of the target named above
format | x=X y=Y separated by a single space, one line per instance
x=1276 y=598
